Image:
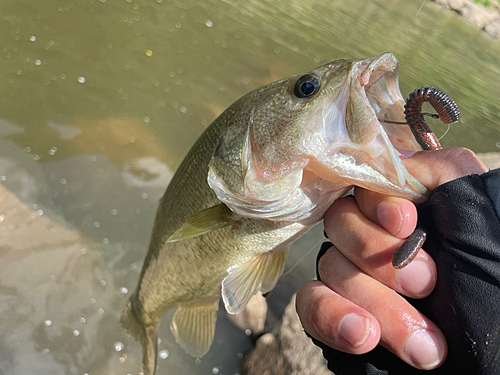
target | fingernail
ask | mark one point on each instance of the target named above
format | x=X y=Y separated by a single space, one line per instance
x=354 y=329
x=388 y=220
x=417 y=278
x=425 y=349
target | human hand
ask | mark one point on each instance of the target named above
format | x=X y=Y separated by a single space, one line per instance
x=355 y=306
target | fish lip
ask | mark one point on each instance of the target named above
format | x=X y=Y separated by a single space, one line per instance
x=379 y=78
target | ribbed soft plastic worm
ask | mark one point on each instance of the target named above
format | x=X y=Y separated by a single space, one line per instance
x=448 y=113
x=444 y=105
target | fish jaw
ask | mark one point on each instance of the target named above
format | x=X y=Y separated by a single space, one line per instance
x=359 y=147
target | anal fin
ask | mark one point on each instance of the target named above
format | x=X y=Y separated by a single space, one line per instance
x=259 y=273
x=194 y=326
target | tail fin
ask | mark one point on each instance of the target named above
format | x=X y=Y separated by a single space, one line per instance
x=145 y=334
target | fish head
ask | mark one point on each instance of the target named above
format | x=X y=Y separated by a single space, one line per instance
x=290 y=148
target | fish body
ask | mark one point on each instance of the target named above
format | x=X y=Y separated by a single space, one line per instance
x=261 y=175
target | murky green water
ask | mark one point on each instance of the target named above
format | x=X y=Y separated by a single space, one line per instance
x=101 y=100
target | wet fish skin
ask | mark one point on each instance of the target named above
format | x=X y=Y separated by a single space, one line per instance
x=277 y=162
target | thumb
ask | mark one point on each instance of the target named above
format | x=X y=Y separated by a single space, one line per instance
x=434 y=168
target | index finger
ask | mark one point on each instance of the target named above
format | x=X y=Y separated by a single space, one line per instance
x=397 y=216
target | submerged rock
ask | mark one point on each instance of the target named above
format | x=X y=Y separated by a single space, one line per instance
x=290 y=352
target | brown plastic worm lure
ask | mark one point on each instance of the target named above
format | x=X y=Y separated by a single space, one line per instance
x=448 y=113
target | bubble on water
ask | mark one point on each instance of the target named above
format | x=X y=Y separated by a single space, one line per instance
x=149 y=53
x=239 y=355
x=27 y=149
x=63 y=181
x=76 y=332
x=248 y=332
x=123 y=358
x=100 y=310
x=164 y=354
x=3 y=178
x=144 y=195
x=118 y=346
x=93 y=300
x=39 y=212
x=178 y=25
x=105 y=241
x=83 y=320
x=19 y=71
x=97 y=224
x=183 y=109
x=52 y=150
x=48 y=322
x=38 y=62
x=114 y=211
x=103 y=282
x=32 y=38
x=131 y=139
x=209 y=23
x=215 y=370
x=81 y=79
x=197 y=361
x=123 y=290
x=497 y=144
x=146 y=119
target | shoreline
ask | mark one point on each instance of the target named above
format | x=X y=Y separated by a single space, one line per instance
x=486 y=18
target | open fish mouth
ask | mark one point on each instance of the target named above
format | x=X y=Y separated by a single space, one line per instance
x=365 y=142
x=380 y=82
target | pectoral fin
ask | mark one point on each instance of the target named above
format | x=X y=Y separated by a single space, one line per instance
x=209 y=219
x=259 y=273
x=194 y=326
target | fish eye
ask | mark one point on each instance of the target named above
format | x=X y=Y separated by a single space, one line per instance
x=306 y=86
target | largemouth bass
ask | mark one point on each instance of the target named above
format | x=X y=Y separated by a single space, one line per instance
x=262 y=174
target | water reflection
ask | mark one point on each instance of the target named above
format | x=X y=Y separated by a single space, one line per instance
x=100 y=102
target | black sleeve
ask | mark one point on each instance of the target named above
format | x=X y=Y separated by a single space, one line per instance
x=463 y=227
